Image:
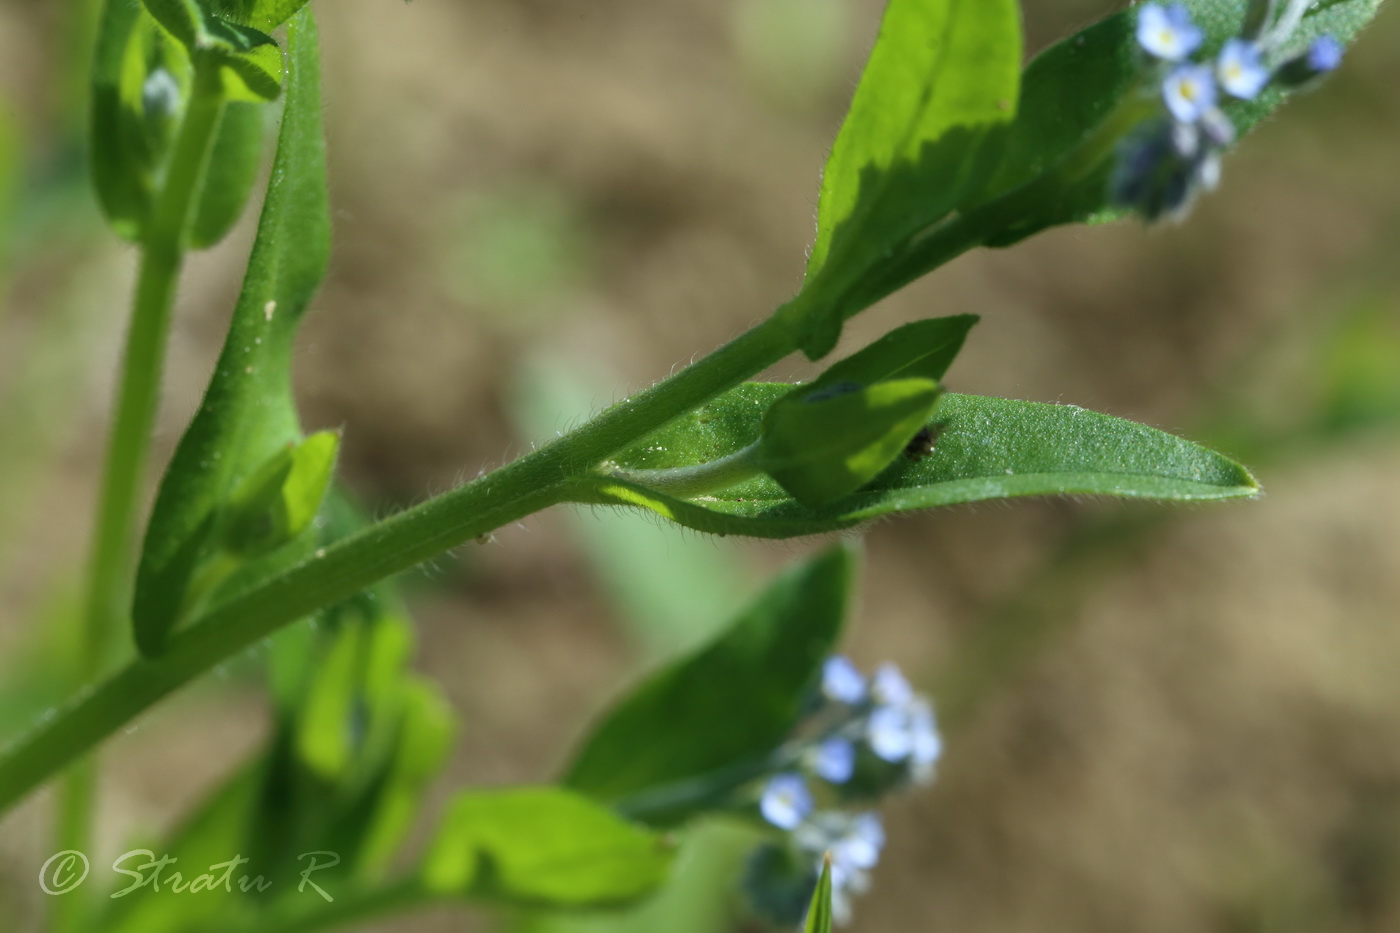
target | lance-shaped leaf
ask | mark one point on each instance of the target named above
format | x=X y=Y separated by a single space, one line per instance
x=819 y=911
x=544 y=847
x=918 y=350
x=823 y=443
x=247 y=414
x=986 y=448
x=1081 y=95
x=681 y=740
x=941 y=79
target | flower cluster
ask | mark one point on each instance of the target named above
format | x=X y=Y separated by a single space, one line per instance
x=862 y=738
x=1167 y=161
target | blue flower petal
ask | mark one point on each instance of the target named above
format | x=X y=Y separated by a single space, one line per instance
x=1168 y=32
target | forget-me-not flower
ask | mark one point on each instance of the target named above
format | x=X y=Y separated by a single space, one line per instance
x=1189 y=92
x=834 y=759
x=853 y=842
x=890 y=687
x=1167 y=32
x=841 y=681
x=1241 y=69
x=786 y=801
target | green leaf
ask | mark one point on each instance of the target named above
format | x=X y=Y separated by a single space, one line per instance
x=426 y=730
x=941 y=78
x=252 y=63
x=261 y=14
x=819 y=912
x=228 y=180
x=120 y=164
x=247 y=414
x=268 y=14
x=1079 y=96
x=727 y=705
x=278 y=500
x=217 y=830
x=986 y=448
x=821 y=444
x=543 y=847
x=918 y=350
x=255 y=75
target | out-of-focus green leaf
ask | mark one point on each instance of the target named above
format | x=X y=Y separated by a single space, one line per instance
x=698 y=897
x=986 y=448
x=824 y=443
x=425 y=734
x=228 y=181
x=726 y=705
x=247 y=414
x=120 y=173
x=216 y=832
x=1076 y=89
x=543 y=847
x=325 y=739
x=819 y=912
x=941 y=78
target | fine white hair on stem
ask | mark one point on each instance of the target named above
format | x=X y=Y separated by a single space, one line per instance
x=1287 y=23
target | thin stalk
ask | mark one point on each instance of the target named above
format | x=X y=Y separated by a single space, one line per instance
x=699 y=479
x=112 y=553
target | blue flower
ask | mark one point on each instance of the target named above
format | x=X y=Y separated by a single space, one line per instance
x=1325 y=54
x=1167 y=32
x=888 y=733
x=890 y=687
x=1189 y=92
x=858 y=847
x=1241 y=69
x=785 y=802
x=853 y=843
x=841 y=681
x=834 y=760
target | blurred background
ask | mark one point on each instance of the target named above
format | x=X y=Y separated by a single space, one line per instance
x=1158 y=718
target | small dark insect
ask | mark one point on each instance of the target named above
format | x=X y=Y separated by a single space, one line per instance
x=923 y=442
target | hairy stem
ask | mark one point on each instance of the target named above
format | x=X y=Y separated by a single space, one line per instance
x=112 y=555
x=521 y=488
x=543 y=478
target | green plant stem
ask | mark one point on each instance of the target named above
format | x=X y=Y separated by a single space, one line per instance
x=534 y=482
x=112 y=555
x=528 y=485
